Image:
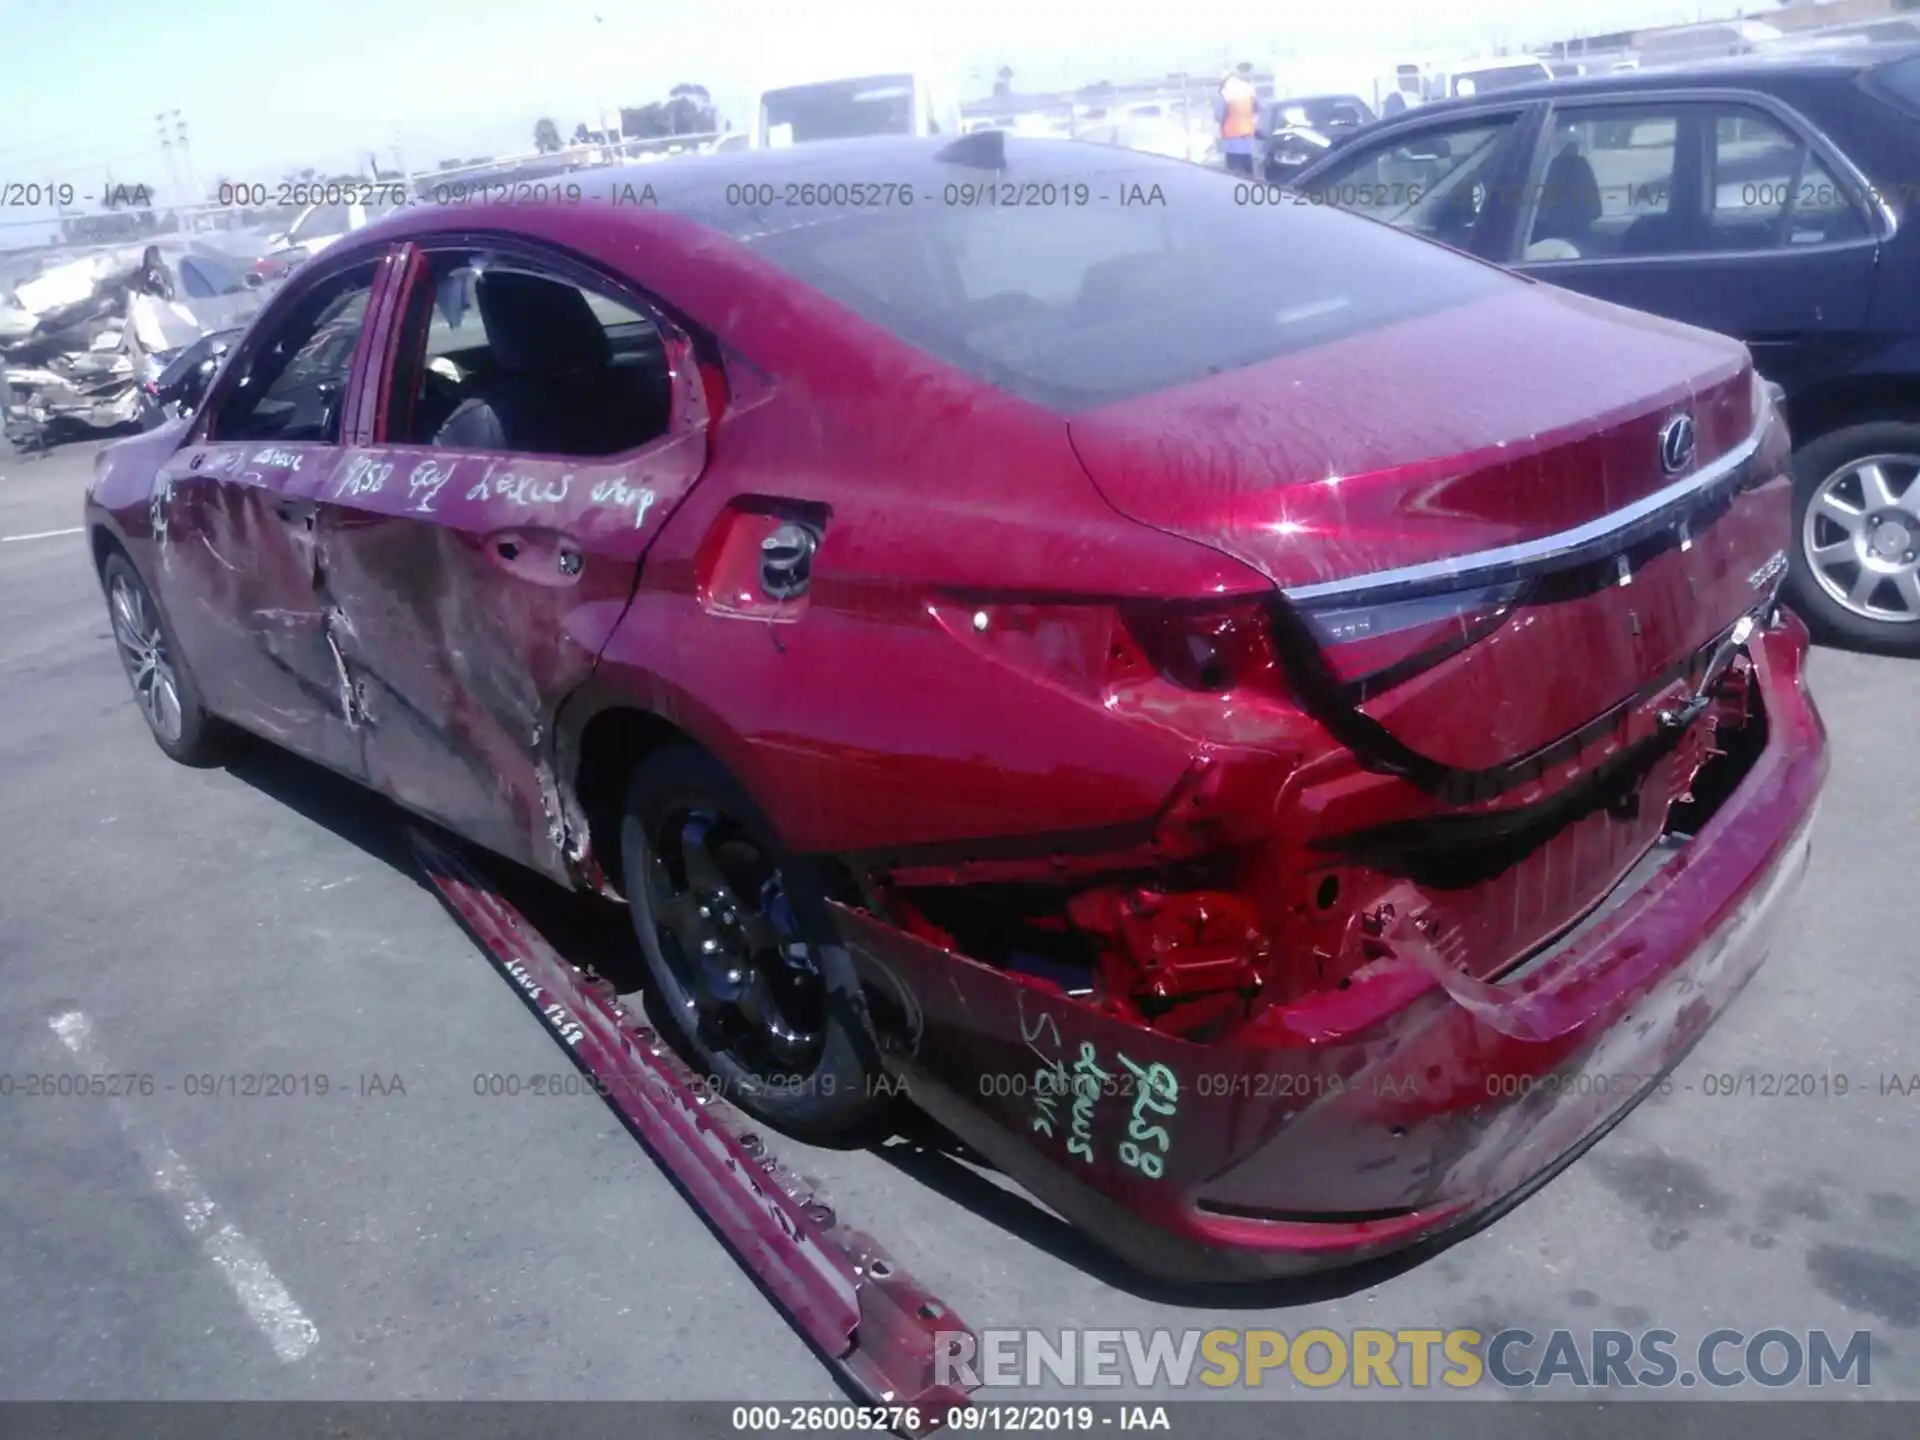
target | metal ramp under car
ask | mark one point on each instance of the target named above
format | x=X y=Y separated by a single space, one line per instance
x=872 y=1322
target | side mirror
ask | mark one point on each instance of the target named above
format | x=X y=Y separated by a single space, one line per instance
x=185 y=381
x=1291 y=152
x=193 y=385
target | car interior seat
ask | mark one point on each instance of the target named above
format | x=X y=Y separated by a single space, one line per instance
x=554 y=391
x=1569 y=199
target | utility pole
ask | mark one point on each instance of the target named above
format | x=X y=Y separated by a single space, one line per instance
x=166 y=147
x=186 y=157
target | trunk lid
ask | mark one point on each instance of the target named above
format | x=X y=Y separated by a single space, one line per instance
x=1518 y=435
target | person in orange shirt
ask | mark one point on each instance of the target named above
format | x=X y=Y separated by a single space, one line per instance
x=1236 y=107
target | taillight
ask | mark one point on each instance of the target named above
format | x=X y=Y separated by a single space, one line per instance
x=1372 y=646
x=1094 y=649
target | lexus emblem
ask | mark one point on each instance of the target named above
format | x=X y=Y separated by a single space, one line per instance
x=1676 y=444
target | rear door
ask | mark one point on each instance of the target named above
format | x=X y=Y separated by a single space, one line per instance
x=1723 y=210
x=538 y=422
x=1454 y=178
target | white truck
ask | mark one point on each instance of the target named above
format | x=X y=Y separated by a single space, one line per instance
x=912 y=99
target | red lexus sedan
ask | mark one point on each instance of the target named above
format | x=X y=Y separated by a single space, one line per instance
x=1273 y=732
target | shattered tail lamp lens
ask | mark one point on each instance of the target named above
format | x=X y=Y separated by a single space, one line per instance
x=1207 y=650
x=1372 y=643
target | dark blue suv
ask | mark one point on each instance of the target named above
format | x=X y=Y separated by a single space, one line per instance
x=1775 y=199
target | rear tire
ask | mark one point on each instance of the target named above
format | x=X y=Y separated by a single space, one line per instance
x=751 y=982
x=1853 y=569
x=163 y=689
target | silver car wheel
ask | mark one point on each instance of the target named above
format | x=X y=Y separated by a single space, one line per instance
x=1861 y=537
x=143 y=650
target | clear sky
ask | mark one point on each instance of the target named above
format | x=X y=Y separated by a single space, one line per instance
x=268 y=88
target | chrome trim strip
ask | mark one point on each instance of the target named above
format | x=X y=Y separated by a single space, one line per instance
x=1591 y=541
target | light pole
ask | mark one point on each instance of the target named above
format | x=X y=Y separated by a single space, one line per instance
x=609 y=117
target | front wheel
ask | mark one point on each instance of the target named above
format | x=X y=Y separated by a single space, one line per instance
x=750 y=978
x=169 y=700
x=1854 y=570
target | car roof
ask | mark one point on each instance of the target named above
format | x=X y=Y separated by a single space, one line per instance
x=1340 y=97
x=1840 y=62
x=872 y=172
x=705 y=187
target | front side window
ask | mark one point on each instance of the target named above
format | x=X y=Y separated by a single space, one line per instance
x=293 y=386
x=505 y=355
x=1434 y=182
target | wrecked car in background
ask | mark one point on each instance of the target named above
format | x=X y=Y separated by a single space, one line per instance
x=1235 y=743
x=85 y=341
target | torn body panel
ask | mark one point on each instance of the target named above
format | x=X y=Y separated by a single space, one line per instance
x=236 y=538
x=482 y=592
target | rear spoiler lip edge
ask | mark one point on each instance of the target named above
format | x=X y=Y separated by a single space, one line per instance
x=1593 y=540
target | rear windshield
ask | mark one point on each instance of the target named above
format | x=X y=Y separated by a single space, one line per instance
x=839 y=109
x=1116 y=283
x=1901 y=82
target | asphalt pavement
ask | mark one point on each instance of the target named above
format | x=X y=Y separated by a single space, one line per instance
x=402 y=1236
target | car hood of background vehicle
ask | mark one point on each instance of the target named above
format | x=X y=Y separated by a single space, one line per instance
x=1483 y=425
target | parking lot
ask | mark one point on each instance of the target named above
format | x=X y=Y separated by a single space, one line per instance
x=402 y=1236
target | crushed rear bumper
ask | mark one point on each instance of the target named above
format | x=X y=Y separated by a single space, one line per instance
x=1366 y=1119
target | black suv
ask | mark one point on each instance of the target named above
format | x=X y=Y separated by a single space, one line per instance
x=1775 y=199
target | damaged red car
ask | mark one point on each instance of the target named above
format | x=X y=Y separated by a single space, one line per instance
x=1271 y=731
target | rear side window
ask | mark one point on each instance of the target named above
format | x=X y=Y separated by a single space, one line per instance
x=1692 y=178
x=1770 y=189
x=505 y=355
x=1131 y=281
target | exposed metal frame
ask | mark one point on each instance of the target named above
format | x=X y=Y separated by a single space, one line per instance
x=859 y=1309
